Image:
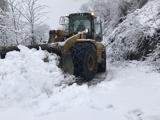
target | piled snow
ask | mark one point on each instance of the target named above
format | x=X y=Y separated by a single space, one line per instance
x=24 y=75
x=29 y=91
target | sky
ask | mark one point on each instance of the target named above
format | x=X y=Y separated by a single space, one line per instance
x=57 y=8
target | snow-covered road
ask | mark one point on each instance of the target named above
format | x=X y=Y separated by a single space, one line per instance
x=29 y=91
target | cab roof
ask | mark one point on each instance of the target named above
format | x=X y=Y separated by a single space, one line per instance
x=81 y=14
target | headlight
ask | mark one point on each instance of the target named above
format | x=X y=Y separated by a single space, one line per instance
x=92 y=14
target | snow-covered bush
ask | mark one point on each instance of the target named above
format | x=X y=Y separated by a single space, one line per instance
x=155 y=58
x=154 y=54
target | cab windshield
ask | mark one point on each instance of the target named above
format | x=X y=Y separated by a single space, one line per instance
x=79 y=24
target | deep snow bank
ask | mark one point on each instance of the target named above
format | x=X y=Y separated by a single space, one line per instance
x=25 y=75
x=29 y=90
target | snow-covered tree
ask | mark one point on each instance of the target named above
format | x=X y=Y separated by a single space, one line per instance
x=41 y=33
x=7 y=33
x=34 y=15
x=23 y=23
x=16 y=17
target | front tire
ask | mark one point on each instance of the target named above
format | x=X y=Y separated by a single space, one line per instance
x=84 y=57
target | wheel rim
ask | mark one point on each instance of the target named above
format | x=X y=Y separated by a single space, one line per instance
x=91 y=63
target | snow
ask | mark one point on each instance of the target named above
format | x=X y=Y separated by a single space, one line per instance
x=151 y=15
x=32 y=89
x=27 y=71
x=127 y=37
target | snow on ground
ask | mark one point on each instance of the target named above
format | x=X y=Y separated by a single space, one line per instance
x=29 y=90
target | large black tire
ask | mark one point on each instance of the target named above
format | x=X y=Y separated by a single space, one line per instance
x=84 y=57
x=102 y=66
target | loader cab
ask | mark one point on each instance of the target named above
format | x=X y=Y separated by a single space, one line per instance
x=79 y=22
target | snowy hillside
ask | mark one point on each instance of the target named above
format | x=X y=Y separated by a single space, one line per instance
x=130 y=39
x=31 y=90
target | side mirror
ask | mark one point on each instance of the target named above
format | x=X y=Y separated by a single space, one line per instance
x=98 y=20
x=63 y=20
x=98 y=29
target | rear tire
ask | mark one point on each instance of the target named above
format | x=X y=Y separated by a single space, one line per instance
x=84 y=57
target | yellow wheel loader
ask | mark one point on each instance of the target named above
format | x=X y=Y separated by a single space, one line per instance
x=79 y=45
